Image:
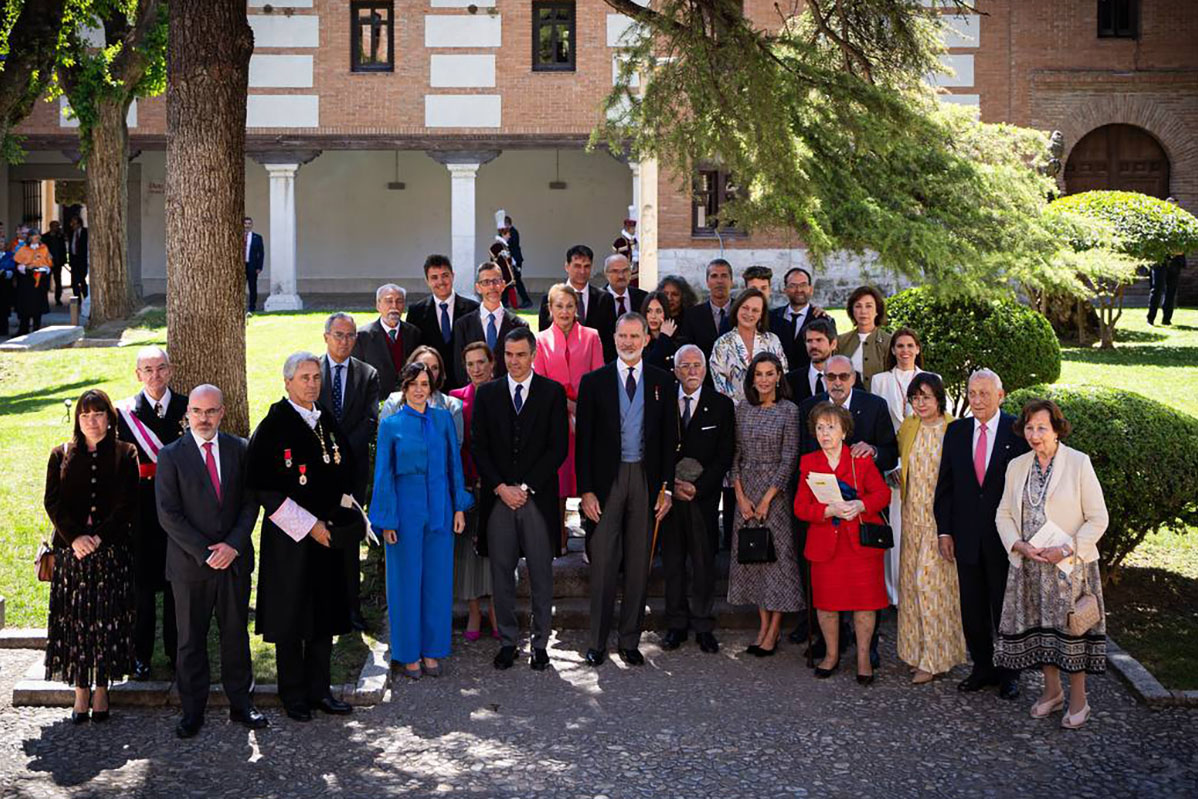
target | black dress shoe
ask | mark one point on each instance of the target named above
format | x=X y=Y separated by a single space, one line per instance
x=251 y=717
x=1008 y=689
x=505 y=657
x=79 y=717
x=707 y=643
x=298 y=712
x=976 y=681
x=539 y=660
x=595 y=657
x=632 y=657
x=356 y=621
x=141 y=671
x=188 y=726
x=673 y=639
x=334 y=707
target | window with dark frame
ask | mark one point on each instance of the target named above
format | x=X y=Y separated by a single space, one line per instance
x=552 y=36
x=713 y=188
x=372 y=41
x=1118 y=19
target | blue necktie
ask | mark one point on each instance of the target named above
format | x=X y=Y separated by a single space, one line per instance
x=337 y=399
x=492 y=333
x=518 y=401
x=446 y=330
x=630 y=386
x=686 y=412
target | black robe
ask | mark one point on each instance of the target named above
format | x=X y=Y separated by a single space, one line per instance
x=302 y=590
x=149 y=539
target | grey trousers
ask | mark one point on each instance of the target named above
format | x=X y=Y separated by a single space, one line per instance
x=621 y=537
x=510 y=534
x=684 y=533
x=227 y=595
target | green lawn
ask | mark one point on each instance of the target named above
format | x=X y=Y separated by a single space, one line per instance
x=1159 y=589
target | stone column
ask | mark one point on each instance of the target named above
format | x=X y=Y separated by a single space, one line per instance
x=635 y=167
x=281 y=167
x=463 y=169
x=644 y=187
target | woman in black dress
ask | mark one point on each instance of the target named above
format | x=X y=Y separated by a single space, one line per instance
x=91 y=498
x=664 y=338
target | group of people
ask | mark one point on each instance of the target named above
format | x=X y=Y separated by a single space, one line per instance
x=846 y=489
x=31 y=268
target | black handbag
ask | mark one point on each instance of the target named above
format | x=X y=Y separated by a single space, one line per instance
x=871 y=534
x=755 y=545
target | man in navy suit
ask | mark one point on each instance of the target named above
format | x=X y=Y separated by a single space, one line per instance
x=702 y=324
x=790 y=322
x=255 y=258
x=596 y=308
x=435 y=315
x=973 y=471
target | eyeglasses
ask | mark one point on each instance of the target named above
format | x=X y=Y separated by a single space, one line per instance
x=839 y=376
x=491 y=281
x=344 y=336
x=207 y=413
x=688 y=366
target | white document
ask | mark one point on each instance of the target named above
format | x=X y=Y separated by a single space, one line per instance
x=825 y=487
x=1051 y=535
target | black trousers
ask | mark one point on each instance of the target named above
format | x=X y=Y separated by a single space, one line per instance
x=983 y=585
x=251 y=282
x=79 y=279
x=228 y=596
x=304 y=670
x=728 y=516
x=684 y=533
x=1162 y=291
x=56 y=276
x=146 y=623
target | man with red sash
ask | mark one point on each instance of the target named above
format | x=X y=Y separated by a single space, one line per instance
x=151 y=419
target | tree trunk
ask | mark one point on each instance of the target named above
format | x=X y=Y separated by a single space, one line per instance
x=207 y=78
x=107 y=171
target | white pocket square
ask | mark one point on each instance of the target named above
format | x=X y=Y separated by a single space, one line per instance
x=709 y=427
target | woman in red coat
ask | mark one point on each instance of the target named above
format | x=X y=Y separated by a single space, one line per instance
x=844 y=574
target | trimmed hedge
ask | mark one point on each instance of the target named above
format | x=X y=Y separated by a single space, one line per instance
x=962 y=335
x=1145 y=455
x=1146 y=227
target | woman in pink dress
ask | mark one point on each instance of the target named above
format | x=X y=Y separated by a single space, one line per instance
x=566 y=350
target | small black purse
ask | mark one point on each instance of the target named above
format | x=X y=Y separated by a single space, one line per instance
x=870 y=534
x=755 y=545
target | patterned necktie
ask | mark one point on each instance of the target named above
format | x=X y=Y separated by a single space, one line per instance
x=686 y=412
x=620 y=308
x=158 y=409
x=518 y=400
x=446 y=329
x=210 y=462
x=337 y=397
x=630 y=385
x=492 y=333
x=979 y=455
x=392 y=333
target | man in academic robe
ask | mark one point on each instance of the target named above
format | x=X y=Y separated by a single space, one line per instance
x=435 y=315
x=304 y=480
x=627 y=245
x=387 y=342
x=595 y=307
x=490 y=322
x=150 y=420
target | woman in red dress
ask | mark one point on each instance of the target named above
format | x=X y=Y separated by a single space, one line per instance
x=845 y=576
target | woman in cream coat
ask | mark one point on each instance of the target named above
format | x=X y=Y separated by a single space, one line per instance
x=1051 y=483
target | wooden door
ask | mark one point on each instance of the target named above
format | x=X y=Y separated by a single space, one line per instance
x=1118 y=157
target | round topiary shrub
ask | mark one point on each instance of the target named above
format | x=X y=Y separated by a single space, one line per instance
x=1145 y=227
x=962 y=335
x=1145 y=455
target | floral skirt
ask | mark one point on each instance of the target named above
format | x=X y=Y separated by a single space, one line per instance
x=90 y=630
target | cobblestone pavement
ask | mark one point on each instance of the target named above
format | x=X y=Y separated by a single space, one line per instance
x=685 y=725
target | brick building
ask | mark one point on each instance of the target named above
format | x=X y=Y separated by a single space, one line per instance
x=378 y=132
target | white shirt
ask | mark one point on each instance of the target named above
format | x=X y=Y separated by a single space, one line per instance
x=991 y=435
x=165 y=402
x=388 y=330
x=200 y=442
x=485 y=316
x=310 y=417
x=681 y=404
x=511 y=387
x=344 y=375
x=812 y=375
x=583 y=295
x=715 y=313
x=448 y=307
x=616 y=300
x=858 y=356
x=791 y=315
x=847 y=402
x=637 y=371
x=249 y=238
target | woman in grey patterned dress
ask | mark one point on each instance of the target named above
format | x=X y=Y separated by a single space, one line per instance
x=767 y=448
x=1053 y=483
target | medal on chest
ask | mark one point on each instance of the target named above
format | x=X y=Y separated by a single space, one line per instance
x=303 y=478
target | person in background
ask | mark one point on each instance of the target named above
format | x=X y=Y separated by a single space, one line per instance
x=1052 y=483
x=388 y=341
x=867 y=345
x=513 y=246
x=8 y=274
x=33 y=279
x=930 y=639
x=56 y=242
x=735 y=350
x=760 y=278
x=702 y=324
x=255 y=259
x=435 y=315
x=595 y=307
x=679 y=295
x=664 y=338
x=91 y=499
x=77 y=256
x=472 y=571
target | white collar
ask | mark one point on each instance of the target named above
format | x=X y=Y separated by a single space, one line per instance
x=448 y=302
x=991 y=426
x=166 y=399
x=200 y=442
x=848 y=403
x=484 y=313
x=792 y=314
x=695 y=397
x=310 y=417
x=386 y=329
x=636 y=369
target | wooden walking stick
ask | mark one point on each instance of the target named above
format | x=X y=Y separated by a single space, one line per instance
x=656 y=525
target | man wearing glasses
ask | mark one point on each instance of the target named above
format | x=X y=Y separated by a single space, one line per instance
x=490 y=322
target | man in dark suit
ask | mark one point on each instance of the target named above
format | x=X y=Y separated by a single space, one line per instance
x=625 y=296
x=626 y=430
x=973 y=471
x=819 y=339
x=790 y=321
x=350 y=389
x=519 y=437
x=490 y=322
x=255 y=258
x=513 y=248
x=77 y=256
x=702 y=324
x=434 y=316
x=707 y=438
x=151 y=419
x=56 y=242
x=596 y=309
x=387 y=342
x=209 y=518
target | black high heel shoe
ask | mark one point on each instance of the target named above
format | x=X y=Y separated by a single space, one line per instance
x=81 y=717
x=865 y=679
x=823 y=674
x=100 y=716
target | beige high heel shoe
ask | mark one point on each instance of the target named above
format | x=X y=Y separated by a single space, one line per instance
x=1074 y=721
x=921 y=677
x=1044 y=709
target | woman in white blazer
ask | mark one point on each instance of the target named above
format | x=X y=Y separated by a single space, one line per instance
x=1052 y=488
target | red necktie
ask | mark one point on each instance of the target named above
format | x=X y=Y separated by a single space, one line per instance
x=210 y=462
x=979 y=455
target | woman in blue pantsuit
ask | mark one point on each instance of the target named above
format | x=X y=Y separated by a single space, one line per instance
x=419 y=503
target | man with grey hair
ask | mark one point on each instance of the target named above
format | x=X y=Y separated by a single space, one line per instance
x=150 y=420
x=973 y=469
x=350 y=389
x=618 y=271
x=706 y=440
x=387 y=342
x=209 y=519
x=301 y=471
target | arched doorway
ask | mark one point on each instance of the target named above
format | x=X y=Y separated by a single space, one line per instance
x=1119 y=157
